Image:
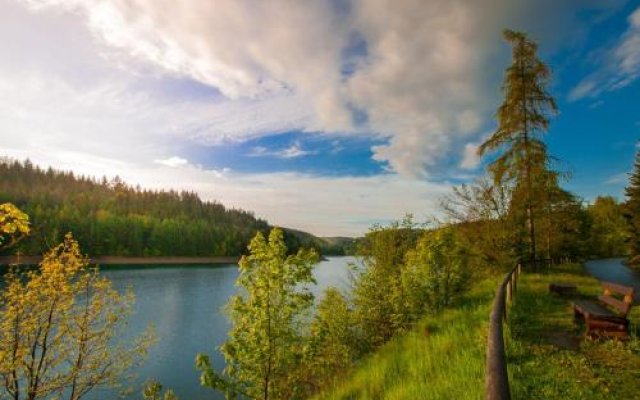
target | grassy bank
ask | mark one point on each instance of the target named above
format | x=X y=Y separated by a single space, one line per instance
x=547 y=356
x=441 y=358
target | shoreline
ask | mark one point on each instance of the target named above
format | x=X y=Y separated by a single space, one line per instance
x=121 y=260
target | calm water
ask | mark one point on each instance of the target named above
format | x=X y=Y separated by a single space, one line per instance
x=185 y=305
x=613 y=270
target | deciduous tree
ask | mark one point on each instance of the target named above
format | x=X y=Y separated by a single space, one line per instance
x=267 y=336
x=59 y=326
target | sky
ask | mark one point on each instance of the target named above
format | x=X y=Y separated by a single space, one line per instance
x=326 y=116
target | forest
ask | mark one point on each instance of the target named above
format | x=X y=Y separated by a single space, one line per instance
x=110 y=217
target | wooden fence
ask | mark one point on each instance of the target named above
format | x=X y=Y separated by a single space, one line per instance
x=496 y=377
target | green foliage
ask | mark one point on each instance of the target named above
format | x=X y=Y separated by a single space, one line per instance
x=563 y=230
x=608 y=228
x=153 y=391
x=377 y=289
x=441 y=357
x=632 y=212
x=112 y=218
x=435 y=273
x=266 y=339
x=330 y=350
x=480 y=212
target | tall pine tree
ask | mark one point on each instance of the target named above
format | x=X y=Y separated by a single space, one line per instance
x=522 y=118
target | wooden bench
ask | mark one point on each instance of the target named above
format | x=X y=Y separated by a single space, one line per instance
x=607 y=316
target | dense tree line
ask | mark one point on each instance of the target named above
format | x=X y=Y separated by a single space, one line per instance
x=109 y=217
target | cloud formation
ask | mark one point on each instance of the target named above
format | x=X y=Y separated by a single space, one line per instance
x=414 y=73
x=293 y=151
x=620 y=65
x=470 y=157
x=173 y=162
x=413 y=68
x=119 y=86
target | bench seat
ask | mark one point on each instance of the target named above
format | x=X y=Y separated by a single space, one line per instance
x=591 y=309
x=607 y=316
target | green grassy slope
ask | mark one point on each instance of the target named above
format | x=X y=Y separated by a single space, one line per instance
x=441 y=358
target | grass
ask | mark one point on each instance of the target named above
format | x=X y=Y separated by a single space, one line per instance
x=547 y=356
x=441 y=358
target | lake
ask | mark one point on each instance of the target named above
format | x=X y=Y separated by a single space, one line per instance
x=613 y=270
x=185 y=304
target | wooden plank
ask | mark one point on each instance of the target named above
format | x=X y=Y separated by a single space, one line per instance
x=620 y=324
x=615 y=287
x=622 y=307
x=593 y=309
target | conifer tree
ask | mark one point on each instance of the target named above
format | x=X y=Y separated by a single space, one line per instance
x=632 y=211
x=522 y=118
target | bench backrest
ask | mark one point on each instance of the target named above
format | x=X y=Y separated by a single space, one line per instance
x=622 y=306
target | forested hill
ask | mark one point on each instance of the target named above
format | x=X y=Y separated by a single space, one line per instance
x=109 y=217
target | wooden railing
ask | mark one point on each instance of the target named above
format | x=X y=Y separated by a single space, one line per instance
x=496 y=377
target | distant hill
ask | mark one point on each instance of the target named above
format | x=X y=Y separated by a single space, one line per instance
x=325 y=245
x=110 y=217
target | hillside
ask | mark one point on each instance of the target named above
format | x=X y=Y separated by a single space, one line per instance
x=110 y=217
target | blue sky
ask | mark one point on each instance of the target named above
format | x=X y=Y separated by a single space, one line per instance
x=326 y=116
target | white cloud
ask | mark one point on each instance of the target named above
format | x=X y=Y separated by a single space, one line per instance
x=173 y=162
x=621 y=64
x=617 y=179
x=293 y=151
x=470 y=158
x=421 y=83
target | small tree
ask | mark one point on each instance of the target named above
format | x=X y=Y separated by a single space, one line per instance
x=331 y=347
x=436 y=272
x=58 y=329
x=608 y=231
x=480 y=212
x=266 y=339
x=377 y=290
